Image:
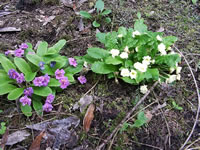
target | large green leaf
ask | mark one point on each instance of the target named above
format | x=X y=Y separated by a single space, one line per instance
x=70 y=77
x=97 y=53
x=42 y=48
x=140 y=26
x=6 y=63
x=6 y=88
x=128 y=80
x=141 y=120
x=73 y=70
x=48 y=70
x=106 y=12
x=58 y=46
x=113 y=61
x=85 y=14
x=122 y=31
x=169 y=40
x=101 y=37
x=4 y=78
x=22 y=65
x=37 y=105
x=34 y=58
x=29 y=76
x=169 y=60
x=54 y=83
x=15 y=94
x=99 y=5
x=152 y=74
x=27 y=110
x=102 y=68
x=42 y=91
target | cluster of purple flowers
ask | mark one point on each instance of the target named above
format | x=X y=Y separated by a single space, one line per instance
x=82 y=79
x=42 y=80
x=25 y=100
x=60 y=75
x=72 y=62
x=13 y=74
x=18 y=52
x=48 y=103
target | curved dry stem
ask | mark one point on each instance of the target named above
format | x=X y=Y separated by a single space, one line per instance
x=197 y=90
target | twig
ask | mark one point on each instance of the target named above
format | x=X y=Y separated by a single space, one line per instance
x=192 y=143
x=126 y=117
x=197 y=90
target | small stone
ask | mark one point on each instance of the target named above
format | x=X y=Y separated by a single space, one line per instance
x=2 y=23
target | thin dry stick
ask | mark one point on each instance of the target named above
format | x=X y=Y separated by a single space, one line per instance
x=197 y=90
x=126 y=117
x=169 y=133
x=192 y=144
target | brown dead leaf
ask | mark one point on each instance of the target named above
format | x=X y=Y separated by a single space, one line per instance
x=148 y=115
x=88 y=117
x=36 y=143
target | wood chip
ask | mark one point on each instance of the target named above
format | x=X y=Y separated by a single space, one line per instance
x=9 y=29
x=89 y=116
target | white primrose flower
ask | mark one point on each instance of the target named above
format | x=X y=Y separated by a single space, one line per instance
x=178 y=77
x=124 y=55
x=169 y=48
x=178 y=70
x=161 y=48
x=135 y=33
x=171 y=79
x=126 y=49
x=158 y=38
x=85 y=64
x=143 y=89
x=136 y=49
x=171 y=69
x=133 y=74
x=114 y=52
x=125 y=73
x=146 y=60
x=120 y=35
x=153 y=61
x=141 y=67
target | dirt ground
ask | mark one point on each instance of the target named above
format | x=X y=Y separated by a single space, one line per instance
x=168 y=128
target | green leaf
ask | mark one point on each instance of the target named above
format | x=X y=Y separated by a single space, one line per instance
x=95 y=24
x=29 y=76
x=122 y=30
x=152 y=74
x=3 y=128
x=22 y=65
x=106 y=12
x=169 y=40
x=70 y=77
x=97 y=53
x=27 y=110
x=108 y=20
x=42 y=48
x=74 y=70
x=99 y=5
x=15 y=94
x=42 y=91
x=85 y=14
x=139 y=15
x=101 y=37
x=194 y=2
x=140 y=76
x=4 y=78
x=37 y=105
x=34 y=58
x=140 y=26
x=102 y=68
x=48 y=70
x=128 y=80
x=6 y=63
x=6 y=88
x=113 y=61
x=58 y=46
x=128 y=63
x=169 y=60
x=141 y=120
x=54 y=83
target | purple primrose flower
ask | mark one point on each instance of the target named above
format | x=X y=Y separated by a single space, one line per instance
x=28 y=91
x=8 y=52
x=50 y=98
x=82 y=79
x=47 y=107
x=46 y=80
x=20 y=78
x=52 y=64
x=25 y=101
x=59 y=74
x=19 y=52
x=64 y=82
x=42 y=80
x=23 y=46
x=72 y=62
x=41 y=65
x=13 y=74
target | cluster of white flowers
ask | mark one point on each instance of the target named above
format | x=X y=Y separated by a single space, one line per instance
x=176 y=76
x=114 y=52
x=158 y=38
x=135 y=33
x=120 y=35
x=126 y=73
x=143 y=89
x=161 y=48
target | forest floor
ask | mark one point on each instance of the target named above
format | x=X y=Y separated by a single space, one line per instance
x=168 y=127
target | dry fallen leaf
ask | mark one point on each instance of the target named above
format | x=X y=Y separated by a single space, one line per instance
x=36 y=143
x=88 y=118
x=148 y=115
